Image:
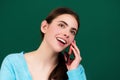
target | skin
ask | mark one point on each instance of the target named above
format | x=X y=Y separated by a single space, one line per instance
x=44 y=59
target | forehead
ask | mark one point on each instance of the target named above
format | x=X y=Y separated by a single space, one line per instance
x=69 y=19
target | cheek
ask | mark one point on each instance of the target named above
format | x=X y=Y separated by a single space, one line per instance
x=54 y=29
x=71 y=40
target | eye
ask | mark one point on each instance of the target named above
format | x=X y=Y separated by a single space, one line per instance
x=61 y=25
x=73 y=32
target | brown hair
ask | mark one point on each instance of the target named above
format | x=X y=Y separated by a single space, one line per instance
x=59 y=73
x=59 y=11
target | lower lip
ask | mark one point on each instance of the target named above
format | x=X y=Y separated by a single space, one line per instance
x=60 y=43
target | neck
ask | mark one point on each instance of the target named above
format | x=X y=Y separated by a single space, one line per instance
x=45 y=55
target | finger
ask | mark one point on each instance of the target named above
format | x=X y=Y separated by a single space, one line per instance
x=77 y=56
x=70 y=50
x=74 y=52
x=76 y=48
x=66 y=57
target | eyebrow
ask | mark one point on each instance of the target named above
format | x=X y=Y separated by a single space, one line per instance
x=74 y=29
x=64 y=22
x=67 y=25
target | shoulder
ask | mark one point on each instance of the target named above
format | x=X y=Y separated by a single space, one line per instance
x=13 y=57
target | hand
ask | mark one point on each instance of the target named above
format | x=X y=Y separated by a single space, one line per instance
x=72 y=64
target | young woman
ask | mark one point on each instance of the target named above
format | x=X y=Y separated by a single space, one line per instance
x=48 y=62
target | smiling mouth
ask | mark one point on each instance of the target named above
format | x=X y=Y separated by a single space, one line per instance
x=62 y=40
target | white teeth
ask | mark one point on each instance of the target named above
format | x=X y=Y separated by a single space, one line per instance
x=62 y=40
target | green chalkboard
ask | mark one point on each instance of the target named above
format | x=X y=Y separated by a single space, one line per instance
x=98 y=37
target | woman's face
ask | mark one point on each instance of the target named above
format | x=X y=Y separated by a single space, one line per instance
x=61 y=32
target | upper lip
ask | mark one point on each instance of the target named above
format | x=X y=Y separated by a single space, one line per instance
x=62 y=40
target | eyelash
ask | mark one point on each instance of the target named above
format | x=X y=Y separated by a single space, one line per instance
x=61 y=25
x=73 y=32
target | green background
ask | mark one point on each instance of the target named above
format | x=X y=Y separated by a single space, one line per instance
x=98 y=37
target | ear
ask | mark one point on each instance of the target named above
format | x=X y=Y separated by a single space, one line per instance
x=44 y=26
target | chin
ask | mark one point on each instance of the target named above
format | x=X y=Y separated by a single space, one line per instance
x=59 y=49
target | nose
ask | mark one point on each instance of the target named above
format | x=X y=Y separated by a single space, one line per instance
x=66 y=35
x=66 y=32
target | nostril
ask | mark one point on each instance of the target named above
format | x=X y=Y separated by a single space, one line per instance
x=66 y=35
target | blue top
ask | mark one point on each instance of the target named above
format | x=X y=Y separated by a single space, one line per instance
x=14 y=67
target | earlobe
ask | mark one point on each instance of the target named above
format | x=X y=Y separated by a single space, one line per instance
x=44 y=26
